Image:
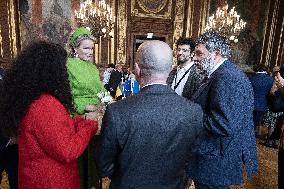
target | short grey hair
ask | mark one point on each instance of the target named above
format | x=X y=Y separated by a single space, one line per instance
x=214 y=40
x=154 y=57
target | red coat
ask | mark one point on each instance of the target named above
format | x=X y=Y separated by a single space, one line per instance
x=50 y=142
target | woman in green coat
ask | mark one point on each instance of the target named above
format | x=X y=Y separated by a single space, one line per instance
x=85 y=85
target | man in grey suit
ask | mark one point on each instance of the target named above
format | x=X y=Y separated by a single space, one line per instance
x=186 y=78
x=148 y=139
x=226 y=98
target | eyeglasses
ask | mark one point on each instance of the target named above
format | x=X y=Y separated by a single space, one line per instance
x=183 y=50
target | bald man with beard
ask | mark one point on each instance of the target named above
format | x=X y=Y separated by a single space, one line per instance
x=148 y=139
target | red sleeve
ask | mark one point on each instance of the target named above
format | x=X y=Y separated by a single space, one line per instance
x=57 y=133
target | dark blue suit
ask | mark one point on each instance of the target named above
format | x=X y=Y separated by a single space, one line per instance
x=261 y=83
x=147 y=139
x=227 y=101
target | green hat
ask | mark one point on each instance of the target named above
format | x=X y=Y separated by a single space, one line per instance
x=79 y=32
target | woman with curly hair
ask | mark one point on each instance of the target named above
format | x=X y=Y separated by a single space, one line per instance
x=35 y=103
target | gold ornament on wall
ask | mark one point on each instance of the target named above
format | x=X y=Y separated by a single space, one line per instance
x=178 y=23
x=121 y=24
x=152 y=8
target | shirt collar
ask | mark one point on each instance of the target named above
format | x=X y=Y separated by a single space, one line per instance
x=153 y=84
x=261 y=72
x=186 y=67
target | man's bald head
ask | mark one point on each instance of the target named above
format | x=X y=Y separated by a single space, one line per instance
x=154 y=58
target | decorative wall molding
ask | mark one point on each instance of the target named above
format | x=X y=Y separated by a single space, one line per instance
x=142 y=8
x=9 y=31
x=272 y=50
x=178 y=24
x=121 y=35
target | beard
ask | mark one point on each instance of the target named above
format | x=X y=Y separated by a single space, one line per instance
x=182 y=61
x=207 y=65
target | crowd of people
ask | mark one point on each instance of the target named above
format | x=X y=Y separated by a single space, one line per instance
x=169 y=127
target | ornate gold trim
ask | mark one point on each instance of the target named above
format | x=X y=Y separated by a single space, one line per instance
x=121 y=24
x=144 y=8
x=96 y=53
x=264 y=38
x=178 y=24
x=112 y=39
x=203 y=16
x=1 y=43
x=272 y=32
x=189 y=19
x=281 y=41
x=167 y=15
x=12 y=28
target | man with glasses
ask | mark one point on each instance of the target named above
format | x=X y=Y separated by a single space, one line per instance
x=186 y=78
x=226 y=98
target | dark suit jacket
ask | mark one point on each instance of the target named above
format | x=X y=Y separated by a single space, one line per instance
x=114 y=81
x=192 y=83
x=276 y=101
x=147 y=139
x=261 y=83
x=227 y=101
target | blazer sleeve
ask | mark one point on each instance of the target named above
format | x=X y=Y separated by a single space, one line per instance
x=109 y=146
x=227 y=98
x=60 y=136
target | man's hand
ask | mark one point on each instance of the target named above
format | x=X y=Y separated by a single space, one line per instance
x=279 y=81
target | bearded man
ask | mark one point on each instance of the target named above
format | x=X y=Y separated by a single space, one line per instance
x=226 y=97
x=186 y=78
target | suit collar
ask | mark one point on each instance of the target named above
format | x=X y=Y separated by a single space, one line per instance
x=217 y=66
x=156 y=88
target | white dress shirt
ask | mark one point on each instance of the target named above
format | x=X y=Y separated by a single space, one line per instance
x=179 y=74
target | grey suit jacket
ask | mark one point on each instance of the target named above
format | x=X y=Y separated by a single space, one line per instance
x=192 y=82
x=227 y=101
x=148 y=139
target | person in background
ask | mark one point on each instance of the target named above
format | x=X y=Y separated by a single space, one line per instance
x=226 y=97
x=261 y=82
x=107 y=74
x=85 y=85
x=130 y=86
x=186 y=78
x=36 y=102
x=116 y=77
x=276 y=104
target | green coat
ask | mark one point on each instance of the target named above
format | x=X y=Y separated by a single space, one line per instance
x=85 y=83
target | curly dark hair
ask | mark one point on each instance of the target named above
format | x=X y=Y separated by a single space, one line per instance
x=40 y=68
x=214 y=40
x=186 y=41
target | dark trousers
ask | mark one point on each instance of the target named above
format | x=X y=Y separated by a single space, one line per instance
x=281 y=168
x=9 y=163
x=257 y=117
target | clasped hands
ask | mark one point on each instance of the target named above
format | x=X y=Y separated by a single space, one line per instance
x=95 y=112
